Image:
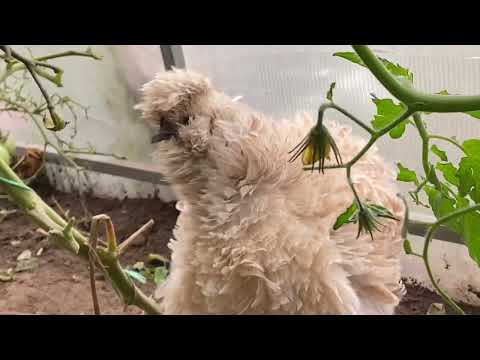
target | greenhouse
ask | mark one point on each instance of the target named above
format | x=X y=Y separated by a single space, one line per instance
x=239 y=179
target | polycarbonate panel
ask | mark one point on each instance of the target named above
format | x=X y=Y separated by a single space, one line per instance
x=282 y=80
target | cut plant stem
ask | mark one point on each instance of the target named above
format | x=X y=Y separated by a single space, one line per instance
x=124 y=245
x=31 y=67
x=91 y=260
x=33 y=206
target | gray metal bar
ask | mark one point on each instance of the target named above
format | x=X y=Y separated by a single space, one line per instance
x=173 y=56
x=420 y=229
x=124 y=168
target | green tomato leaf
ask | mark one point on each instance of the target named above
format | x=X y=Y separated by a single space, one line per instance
x=449 y=173
x=147 y=273
x=387 y=112
x=397 y=131
x=405 y=174
x=160 y=275
x=441 y=206
x=350 y=56
x=475 y=114
x=475 y=193
x=407 y=247
x=469 y=171
x=466 y=175
x=462 y=202
x=346 y=217
x=472 y=148
x=440 y=153
x=394 y=69
x=397 y=70
x=471 y=234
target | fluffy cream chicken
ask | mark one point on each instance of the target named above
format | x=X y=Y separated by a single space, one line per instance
x=255 y=235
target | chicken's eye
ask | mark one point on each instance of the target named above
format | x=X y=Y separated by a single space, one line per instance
x=162 y=122
x=186 y=120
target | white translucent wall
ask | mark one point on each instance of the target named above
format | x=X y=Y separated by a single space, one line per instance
x=110 y=89
x=284 y=79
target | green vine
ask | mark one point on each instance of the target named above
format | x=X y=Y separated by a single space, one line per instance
x=454 y=198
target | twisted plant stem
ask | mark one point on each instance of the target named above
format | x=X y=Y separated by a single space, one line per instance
x=73 y=240
x=31 y=67
x=92 y=256
x=17 y=62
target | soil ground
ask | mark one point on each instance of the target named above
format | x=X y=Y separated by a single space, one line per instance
x=59 y=284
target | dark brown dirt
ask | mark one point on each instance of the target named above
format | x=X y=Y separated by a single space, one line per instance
x=60 y=282
x=418 y=299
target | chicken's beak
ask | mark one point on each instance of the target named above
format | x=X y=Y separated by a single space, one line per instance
x=163 y=135
x=167 y=131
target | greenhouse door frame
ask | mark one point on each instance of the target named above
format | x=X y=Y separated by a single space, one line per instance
x=173 y=56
